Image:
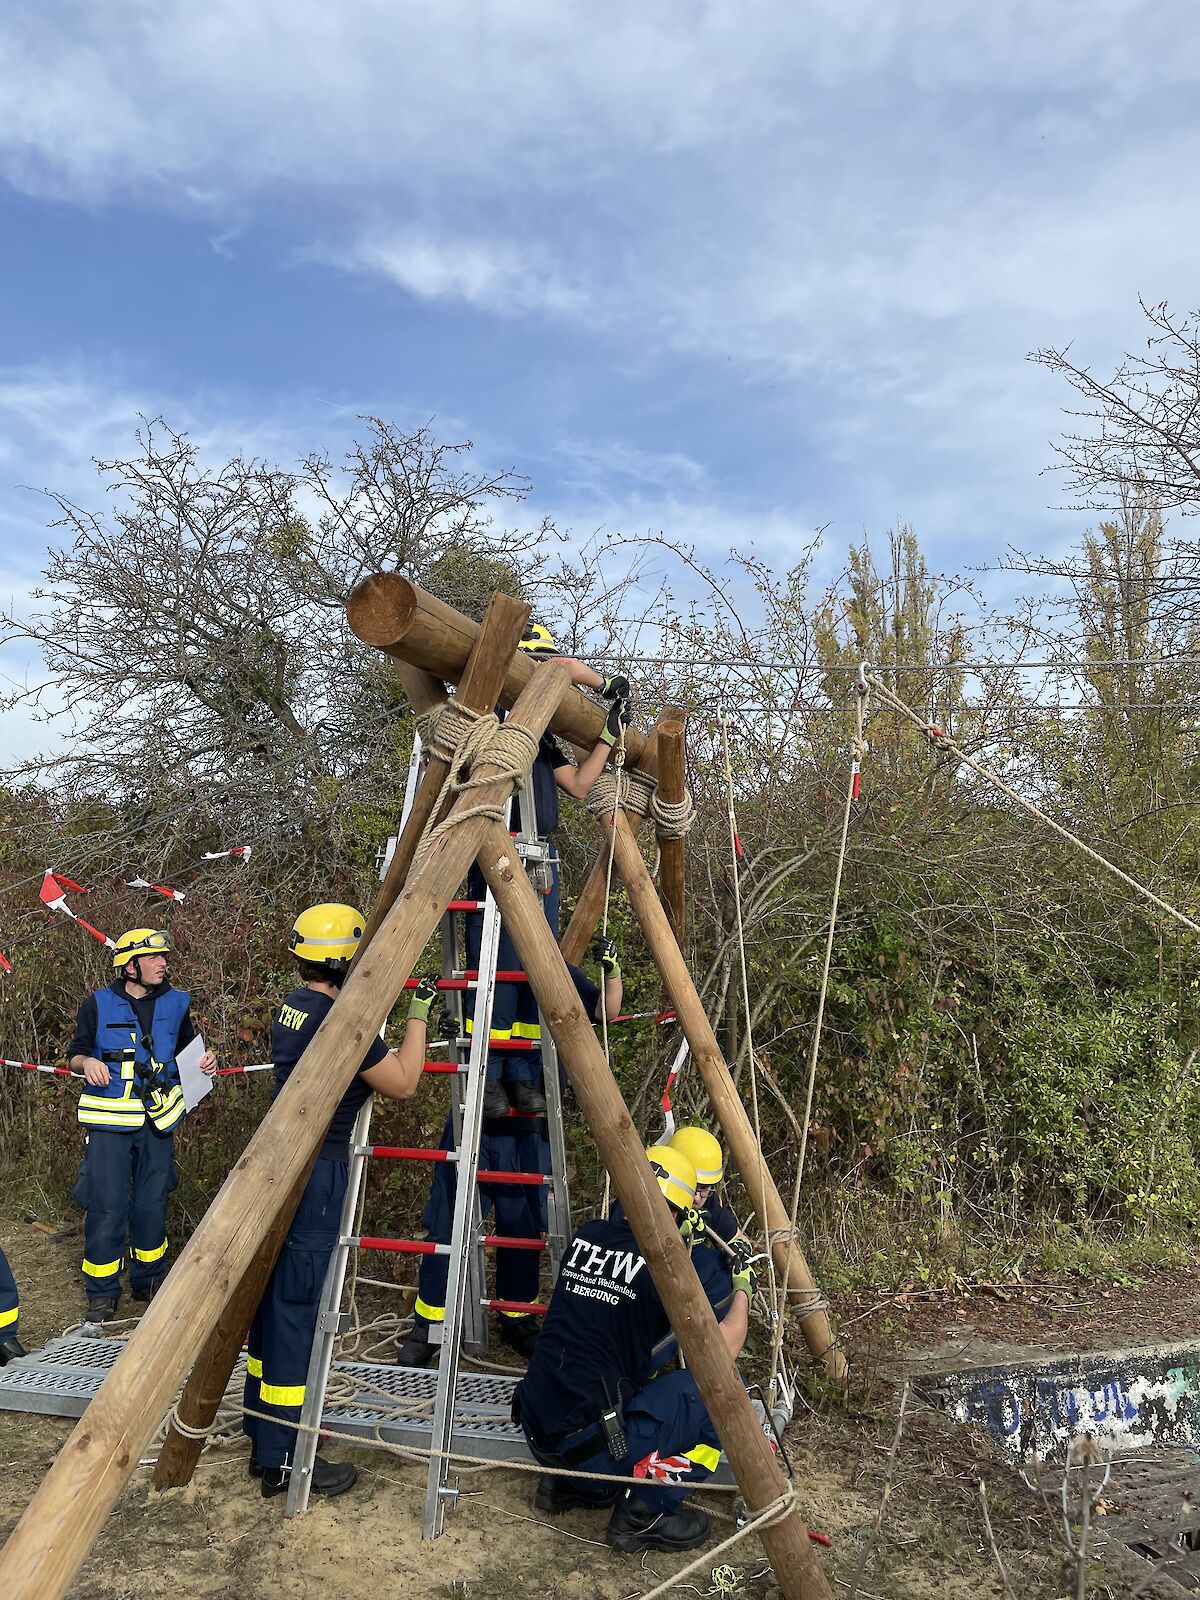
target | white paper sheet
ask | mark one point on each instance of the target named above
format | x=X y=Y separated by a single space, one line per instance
x=195 y=1084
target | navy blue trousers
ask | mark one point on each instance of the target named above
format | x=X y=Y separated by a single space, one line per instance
x=667 y=1419
x=10 y=1314
x=123 y=1187
x=520 y=1212
x=281 y=1335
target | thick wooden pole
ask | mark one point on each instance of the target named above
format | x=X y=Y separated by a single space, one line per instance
x=589 y=908
x=727 y=1107
x=479 y=690
x=394 y=615
x=209 y=1378
x=49 y=1543
x=797 y=1570
x=672 y=852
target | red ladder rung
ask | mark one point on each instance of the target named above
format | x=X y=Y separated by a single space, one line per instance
x=533 y=1179
x=498 y=1242
x=403 y=1152
x=531 y=1308
x=406 y=1247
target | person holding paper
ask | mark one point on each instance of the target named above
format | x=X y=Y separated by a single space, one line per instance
x=125 y=1041
x=324 y=939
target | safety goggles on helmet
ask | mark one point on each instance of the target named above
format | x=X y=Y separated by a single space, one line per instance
x=675 y=1173
x=141 y=942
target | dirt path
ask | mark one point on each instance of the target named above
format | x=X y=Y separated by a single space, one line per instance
x=219 y=1537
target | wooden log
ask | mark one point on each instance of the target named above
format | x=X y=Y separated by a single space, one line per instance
x=589 y=908
x=393 y=614
x=59 y=1525
x=209 y=1378
x=479 y=690
x=797 y=1569
x=672 y=852
x=205 y=1388
x=772 y=1215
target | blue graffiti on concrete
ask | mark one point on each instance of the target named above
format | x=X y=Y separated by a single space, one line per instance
x=1051 y=1407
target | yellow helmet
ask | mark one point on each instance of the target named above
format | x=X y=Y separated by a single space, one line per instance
x=538 y=642
x=141 y=942
x=703 y=1151
x=327 y=935
x=675 y=1173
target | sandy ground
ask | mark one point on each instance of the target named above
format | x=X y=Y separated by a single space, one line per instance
x=218 y=1536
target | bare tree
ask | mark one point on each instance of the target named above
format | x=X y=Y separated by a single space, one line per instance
x=1141 y=437
x=195 y=643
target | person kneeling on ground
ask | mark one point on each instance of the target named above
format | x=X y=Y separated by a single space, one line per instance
x=588 y=1401
x=324 y=939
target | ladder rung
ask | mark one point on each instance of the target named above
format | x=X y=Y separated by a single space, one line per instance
x=406 y=1247
x=403 y=1152
x=533 y=1179
x=497 y=1241
x=465 y=905
x=470 y=979
x=444 y=1066
x=533 y=1308
x=504 y=1044
x=471 y=974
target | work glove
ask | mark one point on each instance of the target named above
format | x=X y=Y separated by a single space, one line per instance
x=692 y=1229
x=618 y=721
x=743 y=1277
x=424 y=997
x=616 y=687
x=605 y=952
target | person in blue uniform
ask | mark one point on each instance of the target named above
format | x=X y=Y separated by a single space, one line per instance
x=11 y=1348
x=594 y=1363
x=324 y=939
x=509 y=1143
x=513 y=1076
x=125 y=1042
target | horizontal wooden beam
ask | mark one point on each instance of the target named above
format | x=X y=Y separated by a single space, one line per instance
x=394 y=615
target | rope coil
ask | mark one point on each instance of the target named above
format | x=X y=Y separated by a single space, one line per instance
x=481 y=740
x=623 y=788
x=672 y=819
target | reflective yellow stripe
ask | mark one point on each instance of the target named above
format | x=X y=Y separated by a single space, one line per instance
x=527 y=1030
x=496 y=1033
x=274 y=1394
x=103 y=1269
x=253 y=1367
x=704 y=1456
x=166 y=1110
x=151 y=1255
x=430 y=1313
x=514 y=1314
x=7 y=1317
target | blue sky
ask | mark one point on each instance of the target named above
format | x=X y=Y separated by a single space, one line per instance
x=730 y=270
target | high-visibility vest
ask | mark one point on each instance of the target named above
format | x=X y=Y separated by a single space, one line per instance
x=142 y=1077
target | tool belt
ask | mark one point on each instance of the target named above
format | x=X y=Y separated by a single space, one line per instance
x=573 y=1451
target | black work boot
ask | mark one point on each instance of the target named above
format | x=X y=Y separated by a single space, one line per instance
x=328 y=1477
x=495 y=1099
x=417 y=1350
x=520 y=1334
x=145 y=1292
x=528 y=1099
x=11 y=1349
x=636 y=1526
x=101 y=1310
x=556 y=1495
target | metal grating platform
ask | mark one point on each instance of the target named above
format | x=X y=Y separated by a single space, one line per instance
x=61 y=1379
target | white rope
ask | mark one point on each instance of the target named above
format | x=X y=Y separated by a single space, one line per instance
x=776 y=1293
x=621 y=783
x=942 y=742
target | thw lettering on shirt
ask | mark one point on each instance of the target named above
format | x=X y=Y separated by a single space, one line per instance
x=291 y=1018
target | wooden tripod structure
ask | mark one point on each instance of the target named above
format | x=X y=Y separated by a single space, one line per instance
x=196 y=1322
